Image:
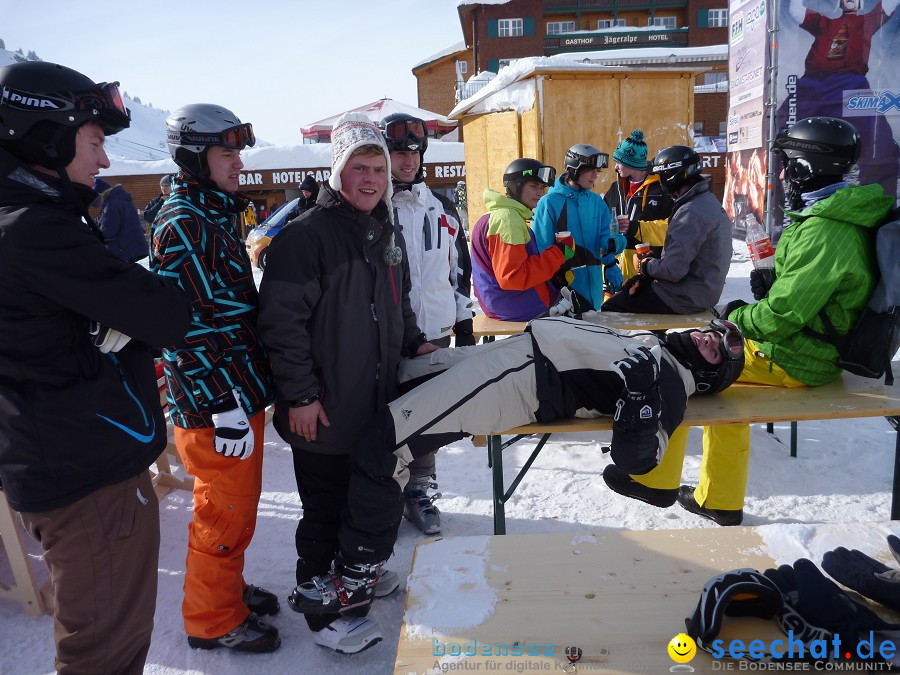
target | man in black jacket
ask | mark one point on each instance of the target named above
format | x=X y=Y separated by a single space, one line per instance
x=155 y=204
x=80 y=420
x=335 y=317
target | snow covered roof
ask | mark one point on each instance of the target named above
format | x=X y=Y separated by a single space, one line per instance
x=449 y=51
x=492 y=97
x=376 y=111
x=279 y=157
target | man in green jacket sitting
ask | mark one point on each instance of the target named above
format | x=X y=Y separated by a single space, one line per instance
x=825 y=261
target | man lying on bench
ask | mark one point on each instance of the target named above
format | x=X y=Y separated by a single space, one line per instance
x=558 y=368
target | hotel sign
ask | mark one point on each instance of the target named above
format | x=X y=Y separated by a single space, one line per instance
x=618 y=39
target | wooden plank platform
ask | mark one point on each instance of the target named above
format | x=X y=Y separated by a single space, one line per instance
x=620 y=596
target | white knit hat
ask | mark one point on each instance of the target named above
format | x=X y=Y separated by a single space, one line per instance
x=353 y=130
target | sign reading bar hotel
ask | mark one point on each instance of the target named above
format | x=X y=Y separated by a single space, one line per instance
x=291 y=178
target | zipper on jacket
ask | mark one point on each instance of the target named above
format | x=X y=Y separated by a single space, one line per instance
x=374 y=313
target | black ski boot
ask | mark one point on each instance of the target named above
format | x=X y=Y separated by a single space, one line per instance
x=348 y=587
x=253 y=635
x=260 y=601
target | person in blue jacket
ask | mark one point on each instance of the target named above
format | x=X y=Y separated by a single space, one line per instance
x=572 y=205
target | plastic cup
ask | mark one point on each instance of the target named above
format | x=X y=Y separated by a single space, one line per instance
x=643 y=250
x=623 y=223
x=565 y=237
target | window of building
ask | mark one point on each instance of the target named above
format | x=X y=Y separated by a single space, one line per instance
x=557 y=27
x=510 y=27
x=714 y=78
x=723 y=127
x=610 y=23
x=698 y=128
x=502 y=63
x=462 y=67
x=717 y=18
x=667 y=22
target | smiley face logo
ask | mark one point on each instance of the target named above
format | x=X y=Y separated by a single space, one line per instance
x=682 y=648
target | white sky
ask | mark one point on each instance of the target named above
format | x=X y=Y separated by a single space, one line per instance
x=277 y=63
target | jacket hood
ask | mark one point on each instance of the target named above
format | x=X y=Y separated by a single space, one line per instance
x=309 y=183
x=562 y=187
x=101 y=185
x=861 y=205
x=493 y=200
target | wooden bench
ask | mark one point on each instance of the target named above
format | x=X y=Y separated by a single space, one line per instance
x=848 y=397
x=488 y=328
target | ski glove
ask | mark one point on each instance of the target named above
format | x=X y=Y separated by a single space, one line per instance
x=463 y=331
x=635 y=446
x=866 y=575
x=816 y=598
x=761 y=280
x=730 y=307
x=616 y=244
x=570 y=303
x=613 y=277
x=107 y=339
x=576 y=256
x=234 y=435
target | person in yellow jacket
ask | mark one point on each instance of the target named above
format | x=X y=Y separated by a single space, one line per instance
x=637 y=194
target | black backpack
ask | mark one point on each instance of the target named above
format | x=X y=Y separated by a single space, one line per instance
x=869 y=346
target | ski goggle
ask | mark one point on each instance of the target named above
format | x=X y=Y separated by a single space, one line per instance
x=546 y=174
x=598 y=161
x=400 y=130
x=741 y=592
x=237 y=137
x=732 y=340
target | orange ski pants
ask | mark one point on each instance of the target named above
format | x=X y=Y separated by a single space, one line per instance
x=226 y=496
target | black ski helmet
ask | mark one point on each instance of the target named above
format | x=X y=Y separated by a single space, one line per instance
x=815 y=152
x=522 y=170
x=584 y=157
x=43 y=104
x=403 y=131
x=675 y=166
x=192 y=130
x=710 y=378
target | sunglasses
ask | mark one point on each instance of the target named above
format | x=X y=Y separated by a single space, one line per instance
x=401 y=130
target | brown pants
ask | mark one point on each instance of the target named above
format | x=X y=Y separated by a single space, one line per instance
x=103 y=553
x=226 y=496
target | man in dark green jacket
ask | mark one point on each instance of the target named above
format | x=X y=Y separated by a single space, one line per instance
x=825 y=261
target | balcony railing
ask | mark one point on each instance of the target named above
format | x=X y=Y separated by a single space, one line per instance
x=466 y=89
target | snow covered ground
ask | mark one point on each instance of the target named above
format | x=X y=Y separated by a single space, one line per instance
x=843 y=475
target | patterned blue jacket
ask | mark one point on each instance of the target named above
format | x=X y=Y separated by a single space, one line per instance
x=195 y=241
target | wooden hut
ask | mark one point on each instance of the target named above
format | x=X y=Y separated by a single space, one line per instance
x=540 y=108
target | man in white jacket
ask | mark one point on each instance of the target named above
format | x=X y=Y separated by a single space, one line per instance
x=441 y=307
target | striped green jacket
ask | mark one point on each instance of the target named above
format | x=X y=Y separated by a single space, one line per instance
x=825 y=259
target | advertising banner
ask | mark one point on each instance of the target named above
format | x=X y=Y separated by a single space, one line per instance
x=747 y=126
x=839 y=58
